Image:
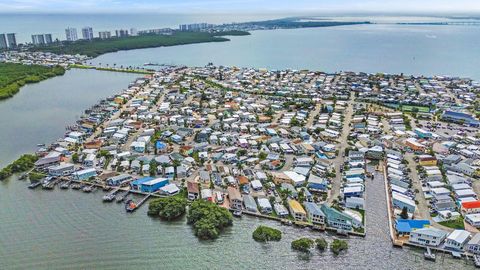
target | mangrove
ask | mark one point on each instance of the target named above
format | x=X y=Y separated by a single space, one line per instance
x=23 y=164
x=208 y=219
x=96 y=47
x=265 y=234
x=302 y=244
x=167 y=208
x=321 y=243
x=13 y=76
x=338 y=246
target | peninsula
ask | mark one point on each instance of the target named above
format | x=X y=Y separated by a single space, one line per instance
x=13 y=76
x=96 y=47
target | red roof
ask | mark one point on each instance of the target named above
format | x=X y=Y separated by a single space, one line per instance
x=471 y=205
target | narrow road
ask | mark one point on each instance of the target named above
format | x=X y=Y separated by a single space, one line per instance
x=341 y=146
x=311 y=117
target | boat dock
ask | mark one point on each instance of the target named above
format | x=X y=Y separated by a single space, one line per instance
x=131 y=206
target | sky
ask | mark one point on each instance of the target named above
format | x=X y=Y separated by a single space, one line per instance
x=245 y=6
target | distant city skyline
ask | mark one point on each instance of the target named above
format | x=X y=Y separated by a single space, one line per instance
x=213 y=6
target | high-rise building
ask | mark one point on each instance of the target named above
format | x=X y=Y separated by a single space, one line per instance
x=3 y=42
x=71 y=34
x=87 y=33
x=11 y=40
x=48 y=38
x=38 y=39
x=121 y=33
x=104 y=34
x=133 y=32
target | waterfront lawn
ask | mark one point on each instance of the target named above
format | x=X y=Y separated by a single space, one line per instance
x=13 y=76
x=97 y=47
x=454 y=224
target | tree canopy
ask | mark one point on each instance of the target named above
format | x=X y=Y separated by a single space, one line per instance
x=265 y=233
x=23 y=164
x=13 y=76
x=167 y=208
x=208 y=219
x=302 y=244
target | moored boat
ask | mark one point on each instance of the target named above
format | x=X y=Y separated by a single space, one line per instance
x=34 y=185
x=108 y=197
x=428 y=255
x=130 y=205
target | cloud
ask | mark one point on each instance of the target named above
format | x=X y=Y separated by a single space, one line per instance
x=186 y=6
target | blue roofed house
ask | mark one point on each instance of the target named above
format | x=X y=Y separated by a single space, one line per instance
x=406 y=226
x=160 y=146
x=423 y=134
x=336 y=219
x=177 y=138
x=314 y=213
x=136 y=184
x=153 y=185
x=317 y=183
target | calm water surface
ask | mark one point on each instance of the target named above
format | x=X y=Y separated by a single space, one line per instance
x=70 y=229
x=419 y=50
x=40 y=112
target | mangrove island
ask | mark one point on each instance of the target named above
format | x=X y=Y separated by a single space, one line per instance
x=13 y=76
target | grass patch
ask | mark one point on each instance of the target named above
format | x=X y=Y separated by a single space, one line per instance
x=454 y=224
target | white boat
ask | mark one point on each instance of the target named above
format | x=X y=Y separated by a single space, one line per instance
x=476 y=260
x=428 y=255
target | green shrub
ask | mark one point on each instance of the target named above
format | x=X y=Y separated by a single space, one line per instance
x=208 y=219
x=264 y=234
x=321 y=243
x=338 y=246
x=167 y=208
x=302 y=244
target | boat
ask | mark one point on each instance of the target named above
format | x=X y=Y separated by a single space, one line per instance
x=237 y=213
x=287 y=222
x=34 y=185
x=23 y=176
x=108 y=197
x=456 y=255
x=428 y=255
x=87 y=189
x=130 y=205
x=65 y=185
x=47 y=185
x=40 y=145
x=121 y=197
x=476 y=260
x=76 y=186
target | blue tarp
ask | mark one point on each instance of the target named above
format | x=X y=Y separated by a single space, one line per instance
x=407 y=225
